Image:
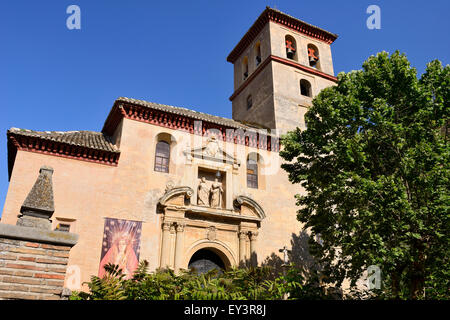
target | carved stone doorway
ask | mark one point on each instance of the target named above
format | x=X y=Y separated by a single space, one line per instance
x=205 y=260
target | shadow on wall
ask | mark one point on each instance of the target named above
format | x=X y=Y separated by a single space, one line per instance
x=303 y=261
x=299 y=256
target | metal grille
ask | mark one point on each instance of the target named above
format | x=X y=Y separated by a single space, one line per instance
x=205 y=260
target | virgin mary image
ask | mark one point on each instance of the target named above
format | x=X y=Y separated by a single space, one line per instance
x=121 y=246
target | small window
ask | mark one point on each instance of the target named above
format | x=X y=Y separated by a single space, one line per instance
x=313 y=56
x=249 y=102
x=305 y=88
x=252 y=173
x=162 y=156
x=291 y=48
x=63 y=227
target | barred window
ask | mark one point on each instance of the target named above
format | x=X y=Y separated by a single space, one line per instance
x=252 y=174
x=63 y=227
x=162 y=156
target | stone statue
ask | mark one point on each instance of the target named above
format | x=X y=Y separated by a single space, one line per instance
x=216 y=194
x=285 y=252
x=203 y=193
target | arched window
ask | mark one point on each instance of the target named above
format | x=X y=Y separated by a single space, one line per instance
x=162 y=156
x=252 y=172
x=249 y=102
x=305 y=88
x=313 y=56
x=291 y=47
x=257 y=53
x=245 y=67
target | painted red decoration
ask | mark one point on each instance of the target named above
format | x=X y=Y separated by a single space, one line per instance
x=56 y=148
x=160 y=118
x=289 y=45
x=287 y=21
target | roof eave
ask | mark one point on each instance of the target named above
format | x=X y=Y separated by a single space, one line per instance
x=274 y=15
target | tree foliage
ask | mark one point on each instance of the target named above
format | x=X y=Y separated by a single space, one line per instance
x=374 y=161
x=258 y=283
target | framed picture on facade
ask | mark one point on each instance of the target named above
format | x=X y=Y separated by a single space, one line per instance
x=121 y=245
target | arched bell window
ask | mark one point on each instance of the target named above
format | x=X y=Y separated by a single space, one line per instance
x=305 y=88
x=252 y=172
x=162 y=156
x=313 y=56
x=245 y=68
x=258 y=54
x=291 y=47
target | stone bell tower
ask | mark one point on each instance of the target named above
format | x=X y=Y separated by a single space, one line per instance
x=280 y=64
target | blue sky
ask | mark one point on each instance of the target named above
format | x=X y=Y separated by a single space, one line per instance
x=172 y=52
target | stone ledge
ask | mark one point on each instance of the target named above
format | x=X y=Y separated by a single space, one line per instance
x=38 y=235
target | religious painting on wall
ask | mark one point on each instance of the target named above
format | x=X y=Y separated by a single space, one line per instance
x=121 y=242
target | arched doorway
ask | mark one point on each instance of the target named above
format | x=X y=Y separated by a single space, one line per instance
x=205 y=260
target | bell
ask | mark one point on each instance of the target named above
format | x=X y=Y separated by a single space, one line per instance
x=290 y=53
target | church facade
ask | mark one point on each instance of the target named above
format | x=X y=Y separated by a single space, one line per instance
x=180 y=188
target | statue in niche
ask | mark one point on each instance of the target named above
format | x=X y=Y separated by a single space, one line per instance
x=216 y=194
x=203 y=193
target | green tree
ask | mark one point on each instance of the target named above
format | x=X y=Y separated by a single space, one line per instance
x=374 y=161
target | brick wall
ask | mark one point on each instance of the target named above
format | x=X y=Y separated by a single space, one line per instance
x=32 y=270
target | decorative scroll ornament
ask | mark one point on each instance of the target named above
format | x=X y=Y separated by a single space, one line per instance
x=169 y=186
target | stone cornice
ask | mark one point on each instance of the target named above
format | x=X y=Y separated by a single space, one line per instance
x=287 y=21
x=221 y=213
x=16 y=141
x=187 y=192
x=304 y=68
x=283 y=61
x=247 y=136
x=38 y=235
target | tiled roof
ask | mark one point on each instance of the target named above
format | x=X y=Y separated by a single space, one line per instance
x=270 y=14
x=334 y=35
x=89 y=139
x=190 y=113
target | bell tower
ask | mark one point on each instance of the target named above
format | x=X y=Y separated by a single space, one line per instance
x=280 y=64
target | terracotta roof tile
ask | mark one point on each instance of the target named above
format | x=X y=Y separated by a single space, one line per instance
x=191 y=113
x=89 y=139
